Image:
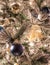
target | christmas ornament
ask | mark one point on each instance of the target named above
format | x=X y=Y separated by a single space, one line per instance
x=35 y=33
x=45 y=9
x=16 y=49
x=1 y=28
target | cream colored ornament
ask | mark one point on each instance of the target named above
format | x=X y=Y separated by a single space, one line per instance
x=35 y=33
x=15 y=63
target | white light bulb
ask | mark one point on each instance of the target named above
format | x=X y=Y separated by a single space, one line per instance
x=31 y=44
x=11 y=47
x=30 y=3
x=39 y=16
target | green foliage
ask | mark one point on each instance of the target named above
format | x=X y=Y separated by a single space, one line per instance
x=22 y=16
x=25 y=44
x=36 y=63
x=1 y=56
x=39 y=2
x=44 y=50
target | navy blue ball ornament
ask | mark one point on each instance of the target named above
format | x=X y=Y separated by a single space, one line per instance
x=16 y=49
